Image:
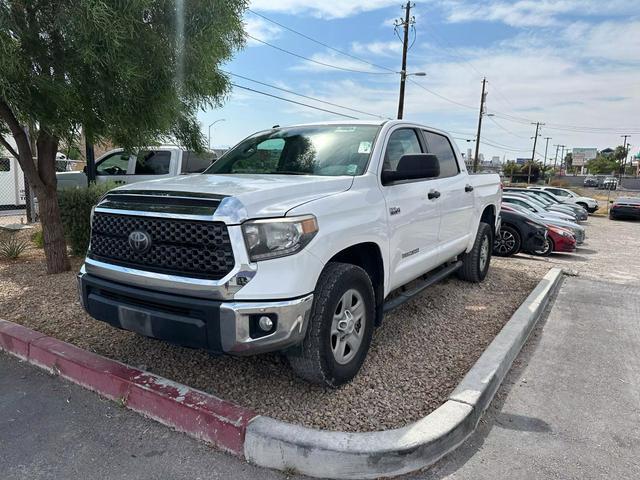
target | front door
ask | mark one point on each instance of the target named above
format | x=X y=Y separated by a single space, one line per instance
x=414 y=218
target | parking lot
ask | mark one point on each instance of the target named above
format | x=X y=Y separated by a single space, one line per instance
x=417 y=357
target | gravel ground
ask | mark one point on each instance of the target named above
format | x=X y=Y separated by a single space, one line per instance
x=417 y=357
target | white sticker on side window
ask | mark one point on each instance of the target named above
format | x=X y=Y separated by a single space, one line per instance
x=364 y=147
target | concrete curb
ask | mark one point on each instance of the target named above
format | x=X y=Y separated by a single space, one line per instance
x=275 y=444
x=191 y=411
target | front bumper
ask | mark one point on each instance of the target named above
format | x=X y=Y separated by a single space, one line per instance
x=216 y=326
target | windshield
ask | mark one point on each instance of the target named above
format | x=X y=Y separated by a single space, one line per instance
x=327 y=150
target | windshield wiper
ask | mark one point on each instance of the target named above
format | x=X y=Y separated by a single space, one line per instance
x=289 y=172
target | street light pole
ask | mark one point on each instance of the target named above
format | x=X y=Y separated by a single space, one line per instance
x=405 y=45
x=211 y=125
x=483 y=97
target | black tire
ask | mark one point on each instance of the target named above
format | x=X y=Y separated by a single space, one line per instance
x=475 y=264
x=316 y=361
x=548 y=248
x=502 y=246
x=583 y=205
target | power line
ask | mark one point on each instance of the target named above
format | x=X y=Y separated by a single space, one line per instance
x=441 y=96
x=490 y=117
x=355 y=57
x=305 y=96
x=293 y=101
x=317 y=61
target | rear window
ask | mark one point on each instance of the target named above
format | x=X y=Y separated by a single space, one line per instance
x=440 y=146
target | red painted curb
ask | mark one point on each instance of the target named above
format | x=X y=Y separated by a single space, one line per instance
x=193 y=412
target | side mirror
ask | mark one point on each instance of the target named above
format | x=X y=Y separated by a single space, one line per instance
x=413 y=167
x=85 y=170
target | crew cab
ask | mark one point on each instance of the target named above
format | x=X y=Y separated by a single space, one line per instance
x=297 y=240
x=568 y=196
x=150 y=163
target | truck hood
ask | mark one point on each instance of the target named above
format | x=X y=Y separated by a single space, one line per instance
x=258 y=195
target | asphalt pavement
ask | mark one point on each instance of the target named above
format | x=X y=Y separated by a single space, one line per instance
x=570 y=407
x=52 y=429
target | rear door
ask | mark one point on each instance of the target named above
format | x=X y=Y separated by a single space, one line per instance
x=414 y=219
x=456 y=198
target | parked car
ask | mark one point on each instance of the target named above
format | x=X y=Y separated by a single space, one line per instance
x=552 y=205
x=625 y=207
x=536 y=207
x=151 y=163
x=610 y=183
x=558 y=240
x=518 y=233
x=294 y=241
x=567 y=196
x=591 y=181
x=579 y=232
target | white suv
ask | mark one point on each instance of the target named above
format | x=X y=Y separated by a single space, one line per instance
x=566 y=195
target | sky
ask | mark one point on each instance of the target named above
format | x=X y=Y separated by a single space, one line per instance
x=573 y=65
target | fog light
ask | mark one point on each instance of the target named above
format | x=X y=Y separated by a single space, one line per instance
x=265 y=323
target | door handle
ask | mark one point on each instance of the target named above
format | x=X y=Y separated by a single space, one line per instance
x=433 y=194
x=468 y=188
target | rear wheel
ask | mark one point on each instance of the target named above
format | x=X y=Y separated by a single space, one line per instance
x=340 y=328
x=475 y=264
x=583 y=205
x=507 y=242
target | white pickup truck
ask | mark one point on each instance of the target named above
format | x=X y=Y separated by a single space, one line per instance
x=151 y=163
x=297 y=240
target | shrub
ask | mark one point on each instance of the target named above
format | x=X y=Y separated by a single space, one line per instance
x=38 y=239
x=75 y=210
x=12 y=247
x=559 y=183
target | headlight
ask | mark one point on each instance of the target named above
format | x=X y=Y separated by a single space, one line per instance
x=278 y=237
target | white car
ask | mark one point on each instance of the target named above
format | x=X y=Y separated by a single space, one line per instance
x=533 y=206
x=151 y=163
x=566 y=195
x=294 y=241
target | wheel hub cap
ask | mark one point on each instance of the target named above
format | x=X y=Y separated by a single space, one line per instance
x=348 y=326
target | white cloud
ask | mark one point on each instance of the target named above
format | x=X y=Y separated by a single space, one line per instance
x=391 y=48
x=259 y=28
x=532 y=13
x=322 y=8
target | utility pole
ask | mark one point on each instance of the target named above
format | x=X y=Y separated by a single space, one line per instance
x=546 y=147
x=483 y=98
x=406 y=23
x=562 y=156
x=533 y=154
x=555 y=160
x=624 y=160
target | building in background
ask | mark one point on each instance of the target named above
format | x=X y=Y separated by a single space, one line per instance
x=582 y=156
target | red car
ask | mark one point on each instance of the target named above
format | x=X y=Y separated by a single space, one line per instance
x=558 y=240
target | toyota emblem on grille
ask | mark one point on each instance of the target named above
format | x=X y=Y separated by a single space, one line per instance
x=139 y=241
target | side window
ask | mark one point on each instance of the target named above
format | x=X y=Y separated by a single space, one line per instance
x=440 y=146
x=153 y=162
x=401 y=142
x=193 y=162
x=559 y=193
x=263 y=157
x=115 y=164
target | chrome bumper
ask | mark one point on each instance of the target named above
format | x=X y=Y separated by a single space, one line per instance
x=292 y=317
x=218 y=326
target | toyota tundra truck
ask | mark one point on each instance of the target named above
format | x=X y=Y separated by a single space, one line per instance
x=298 y=240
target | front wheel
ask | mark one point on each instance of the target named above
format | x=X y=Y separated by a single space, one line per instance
x=475 y=264
x=340 y=328
x=507 y=242
x=547 y=248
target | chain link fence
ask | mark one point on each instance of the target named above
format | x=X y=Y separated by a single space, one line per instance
x=13 y=197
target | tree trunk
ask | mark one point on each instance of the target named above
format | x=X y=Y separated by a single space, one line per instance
x=55 y=245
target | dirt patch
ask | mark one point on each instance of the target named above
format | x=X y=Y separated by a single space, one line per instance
x=417 y=357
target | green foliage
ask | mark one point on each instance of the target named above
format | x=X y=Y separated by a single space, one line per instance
x=38 y=239
x=603 y=164
x=559 y=183
x=75 y=210
x=12 y=247
x=130 y=72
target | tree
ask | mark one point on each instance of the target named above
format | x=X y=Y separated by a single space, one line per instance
x=603 y=164
x=132 y=72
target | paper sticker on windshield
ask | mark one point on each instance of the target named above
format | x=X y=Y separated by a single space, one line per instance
x=352 y=169
x=346 y=129
x=364 y=147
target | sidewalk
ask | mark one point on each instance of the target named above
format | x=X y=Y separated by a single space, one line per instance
x=52 y=429
x=570 y=408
